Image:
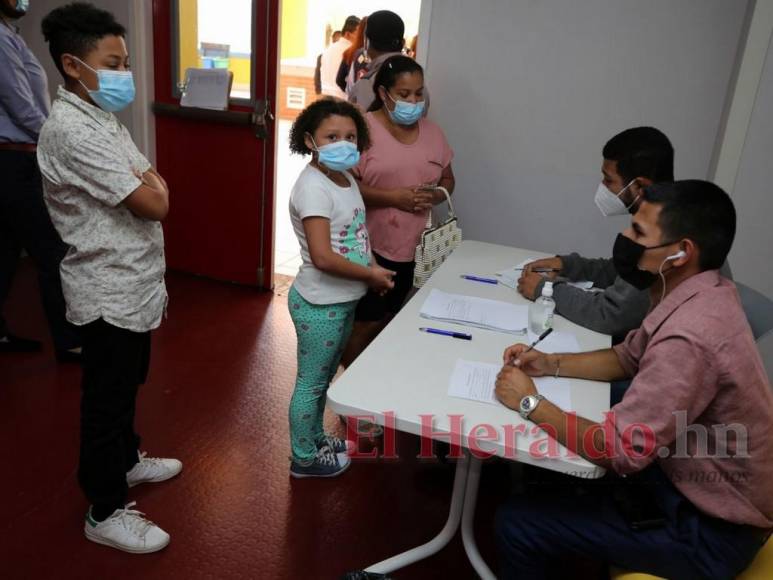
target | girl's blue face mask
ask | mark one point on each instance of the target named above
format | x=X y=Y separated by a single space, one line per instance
x=116 y=89
x=338 y=156
x=22 y=5
x=405 y=113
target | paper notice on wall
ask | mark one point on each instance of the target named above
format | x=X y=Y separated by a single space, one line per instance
x=207 y=88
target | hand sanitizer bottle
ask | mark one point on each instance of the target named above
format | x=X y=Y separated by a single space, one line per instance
x=541 y=311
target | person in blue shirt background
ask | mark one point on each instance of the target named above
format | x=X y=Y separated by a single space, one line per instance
x=24 y=220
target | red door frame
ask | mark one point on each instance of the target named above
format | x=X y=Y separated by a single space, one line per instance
x=271 y=90
x=265 y=81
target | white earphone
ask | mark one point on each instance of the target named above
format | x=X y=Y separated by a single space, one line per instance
x=679 y=254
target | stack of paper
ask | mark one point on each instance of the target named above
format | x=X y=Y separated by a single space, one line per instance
x=509 y=276
x=478 y=312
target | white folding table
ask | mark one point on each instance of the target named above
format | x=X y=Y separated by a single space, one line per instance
x=406 y=372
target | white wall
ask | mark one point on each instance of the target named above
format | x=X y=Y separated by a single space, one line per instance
x=30 y=30
x=529 y=91
x=753 y=192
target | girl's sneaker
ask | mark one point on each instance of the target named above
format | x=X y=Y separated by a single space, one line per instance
x=337 y=444
x=327 y=463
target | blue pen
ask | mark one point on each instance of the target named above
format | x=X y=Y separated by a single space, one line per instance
x=479 y=279
x=450 y=333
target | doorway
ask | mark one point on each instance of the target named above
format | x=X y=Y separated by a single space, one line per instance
x=306 y=29
x=218 y=163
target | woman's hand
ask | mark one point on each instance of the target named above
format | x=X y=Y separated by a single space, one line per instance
x=534 y=363
x=381 y=279
x=412 y=200
x=437 y=195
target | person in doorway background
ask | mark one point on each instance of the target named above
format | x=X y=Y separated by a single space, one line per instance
x=383 y=40
x=411 y=49
x=355 y=60
x=318 y=67
x=332 y=56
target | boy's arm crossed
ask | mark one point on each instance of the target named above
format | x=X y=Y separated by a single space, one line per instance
x=151 y=199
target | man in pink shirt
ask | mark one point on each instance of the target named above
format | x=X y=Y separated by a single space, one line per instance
x=690 y=439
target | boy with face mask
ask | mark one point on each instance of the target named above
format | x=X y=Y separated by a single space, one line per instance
x=107 y=202
x=633 y=160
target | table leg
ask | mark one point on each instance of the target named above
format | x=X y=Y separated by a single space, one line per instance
x=446 y=534
x=468 y=518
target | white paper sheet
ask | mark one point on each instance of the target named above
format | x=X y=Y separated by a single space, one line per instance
x=476 y=381
x=556 y=342
x=509 y=276
x=478 y=312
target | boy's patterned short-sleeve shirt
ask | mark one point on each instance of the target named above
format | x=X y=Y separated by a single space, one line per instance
x=114 y=268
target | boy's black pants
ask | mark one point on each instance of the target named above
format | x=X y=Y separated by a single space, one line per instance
x=115 y=364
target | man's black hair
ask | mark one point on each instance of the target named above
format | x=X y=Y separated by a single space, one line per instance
x=351 y=24
x=312 y=116
x=385 y=31
x=387 y=75
x=641 y=152
x=699 y=211
x=76 y=28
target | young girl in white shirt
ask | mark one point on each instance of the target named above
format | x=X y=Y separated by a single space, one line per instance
x=328 y=216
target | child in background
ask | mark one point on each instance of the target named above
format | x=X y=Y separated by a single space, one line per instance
x=106 y=202
x=328 y=216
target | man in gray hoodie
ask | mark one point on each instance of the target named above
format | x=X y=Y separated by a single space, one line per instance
x=633 y=160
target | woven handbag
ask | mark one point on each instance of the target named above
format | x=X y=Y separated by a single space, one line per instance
x=436 y=244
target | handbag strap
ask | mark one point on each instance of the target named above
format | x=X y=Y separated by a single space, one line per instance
x=451 y=212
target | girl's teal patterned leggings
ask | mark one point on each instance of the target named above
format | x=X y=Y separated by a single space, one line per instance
x=322 y=331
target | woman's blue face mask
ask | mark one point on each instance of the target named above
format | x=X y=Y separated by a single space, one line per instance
x=405 y=113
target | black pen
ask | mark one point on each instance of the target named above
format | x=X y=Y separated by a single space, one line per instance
x=542 y=270
x=536 y=342
x=541 y=337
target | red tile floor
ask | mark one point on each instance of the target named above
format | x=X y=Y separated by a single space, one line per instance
x=221 y=376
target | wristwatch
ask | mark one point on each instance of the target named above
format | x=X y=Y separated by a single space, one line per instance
x=528 y=404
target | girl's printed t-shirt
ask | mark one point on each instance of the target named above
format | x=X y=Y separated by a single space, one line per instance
x=315 y=195
x=389 y=164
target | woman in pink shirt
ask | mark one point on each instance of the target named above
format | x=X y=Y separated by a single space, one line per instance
x=408 y=158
